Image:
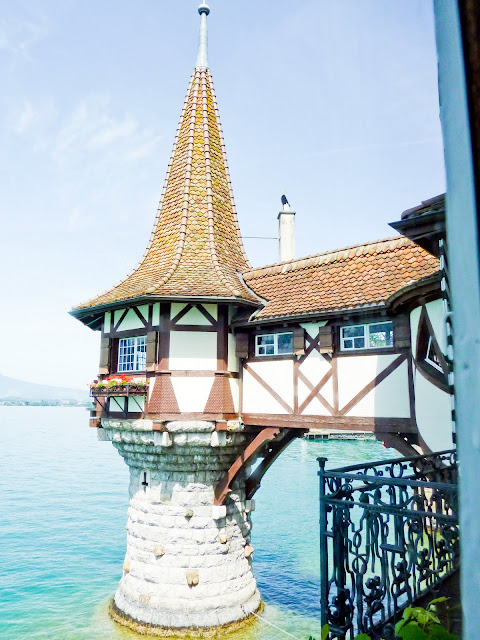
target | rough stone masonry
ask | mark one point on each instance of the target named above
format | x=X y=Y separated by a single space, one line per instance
x=188 y=562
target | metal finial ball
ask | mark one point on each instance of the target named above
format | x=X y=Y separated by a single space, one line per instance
x=204 y=8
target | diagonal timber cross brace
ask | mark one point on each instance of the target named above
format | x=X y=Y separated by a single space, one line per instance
x=223 y=488
x=276 y=448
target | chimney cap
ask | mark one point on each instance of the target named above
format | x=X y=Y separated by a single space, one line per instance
x=289 y=212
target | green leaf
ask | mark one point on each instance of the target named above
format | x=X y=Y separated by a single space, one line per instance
x=362 y=636
x=407 y=614
x=433 y=617
x=442 y=599
x=421 y=615
x=325 y=631
x=412 y=631
x=437 y=632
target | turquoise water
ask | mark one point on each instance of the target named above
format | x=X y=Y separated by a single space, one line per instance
x=62 y=532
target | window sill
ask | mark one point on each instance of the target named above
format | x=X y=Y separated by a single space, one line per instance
x=367 y=352
x=282 y=356
x=140 y=372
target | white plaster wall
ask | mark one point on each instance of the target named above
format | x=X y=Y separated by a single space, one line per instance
x=436 y=313
x=414 y=318
x=432 y=405
x=233 y=364
x=315 y=367
x=131 y=320
x=315 y=407
x=235 y=389
x=107 y=322
x=355 y=372
x=390 y=399
x=192 y=393
x=193 y=350
x=194 y=316
x=433 y=412
x=156 y=314
x=278 y=374
x=327 y=392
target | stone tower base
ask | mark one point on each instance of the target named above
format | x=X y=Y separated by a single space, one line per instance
x=188 y=562
x=168 y=632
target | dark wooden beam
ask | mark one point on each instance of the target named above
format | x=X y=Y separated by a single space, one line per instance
x=164 y=336
x=342 y=423
x=223 y=487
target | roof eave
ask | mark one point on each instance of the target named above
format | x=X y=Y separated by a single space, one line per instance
x=406 y=294
x=425 y=230
x=320 y=315
x=82 y=313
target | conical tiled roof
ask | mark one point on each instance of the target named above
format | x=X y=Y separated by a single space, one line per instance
x=195 y=249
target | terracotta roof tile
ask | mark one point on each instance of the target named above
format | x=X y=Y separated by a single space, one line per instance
x=360 y=276
x=195 y=248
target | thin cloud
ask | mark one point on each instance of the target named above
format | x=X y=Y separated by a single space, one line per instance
x=92 y=127
x=18 y=37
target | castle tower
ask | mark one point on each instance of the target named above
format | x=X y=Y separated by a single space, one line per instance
x=168 y=390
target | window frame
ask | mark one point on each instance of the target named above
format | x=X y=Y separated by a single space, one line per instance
x=432 y=363
x=275 y=344
x=366 y=337
x=136 y=353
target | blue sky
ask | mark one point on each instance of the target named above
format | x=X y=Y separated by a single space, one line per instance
x=332 y=102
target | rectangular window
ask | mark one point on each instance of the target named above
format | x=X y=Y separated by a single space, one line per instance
x=366 y=336
x=274 y=344
x=132 y=354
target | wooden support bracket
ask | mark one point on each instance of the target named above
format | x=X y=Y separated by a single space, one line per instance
x=277 y=447
x=223 y=488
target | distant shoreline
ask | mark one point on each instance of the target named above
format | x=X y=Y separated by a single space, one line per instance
x=16 y=402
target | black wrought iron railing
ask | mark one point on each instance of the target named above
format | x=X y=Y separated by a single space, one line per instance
x=388 y=535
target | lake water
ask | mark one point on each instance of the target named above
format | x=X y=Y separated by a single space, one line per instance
x=62 y=530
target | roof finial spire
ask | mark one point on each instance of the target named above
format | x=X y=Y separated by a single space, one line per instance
x=202 y=58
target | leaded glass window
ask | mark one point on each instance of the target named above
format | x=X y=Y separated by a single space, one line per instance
x=274 y=344
x=132 y=354
x=366 y=336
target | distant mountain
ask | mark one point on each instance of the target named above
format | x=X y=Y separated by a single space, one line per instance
x=12 y=389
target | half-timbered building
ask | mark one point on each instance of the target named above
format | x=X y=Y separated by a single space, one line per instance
x=348 y=339
x=207 y=364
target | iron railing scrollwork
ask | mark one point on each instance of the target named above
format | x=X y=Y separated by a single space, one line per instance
x=388 y=535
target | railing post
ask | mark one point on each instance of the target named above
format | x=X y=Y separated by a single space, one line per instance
x=323 y=543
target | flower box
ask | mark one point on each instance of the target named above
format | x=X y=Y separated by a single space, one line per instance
x=119 y=390
x=119 y=386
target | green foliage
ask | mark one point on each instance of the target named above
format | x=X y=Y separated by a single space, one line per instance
x=417 y=623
